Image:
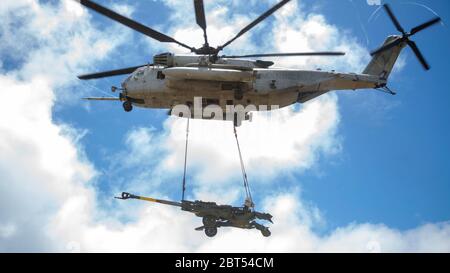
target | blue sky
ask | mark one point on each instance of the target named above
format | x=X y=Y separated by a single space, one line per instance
x=389 y=160
x=393 y=168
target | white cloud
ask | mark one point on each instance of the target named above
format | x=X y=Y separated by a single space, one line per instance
x=295 y=31
x=41 y=166
x=49 y=203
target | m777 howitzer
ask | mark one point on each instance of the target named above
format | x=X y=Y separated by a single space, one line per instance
x=215 y=216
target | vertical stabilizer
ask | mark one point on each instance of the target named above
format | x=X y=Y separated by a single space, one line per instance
x=382 y=63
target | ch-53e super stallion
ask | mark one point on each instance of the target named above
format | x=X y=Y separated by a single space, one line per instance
x=225 y=81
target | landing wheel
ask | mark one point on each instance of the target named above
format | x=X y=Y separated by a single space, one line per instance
x=127 y=106
x=210 y=231
x=238 y=94
x=209 y=221
x=266 y=232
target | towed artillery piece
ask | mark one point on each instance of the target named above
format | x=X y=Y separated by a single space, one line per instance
x=215 y=216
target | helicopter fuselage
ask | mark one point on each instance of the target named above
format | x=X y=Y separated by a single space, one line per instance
x=162 y=87
x=206 y=87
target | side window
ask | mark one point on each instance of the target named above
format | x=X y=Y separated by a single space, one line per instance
x=160 y=75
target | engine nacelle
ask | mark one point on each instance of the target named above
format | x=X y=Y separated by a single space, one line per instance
x=185 y=60
x=171 y=60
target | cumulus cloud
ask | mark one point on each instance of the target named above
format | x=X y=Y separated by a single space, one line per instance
x=41 y=165
x=295 y=31
x=49 y=198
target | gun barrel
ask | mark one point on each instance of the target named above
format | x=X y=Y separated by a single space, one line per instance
x=126 y=195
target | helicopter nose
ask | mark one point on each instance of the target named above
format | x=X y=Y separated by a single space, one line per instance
x=125 y=84
x=127 y=87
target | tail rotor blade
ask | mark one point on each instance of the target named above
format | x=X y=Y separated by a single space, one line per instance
x=394 y=19
x=419 y=55
x=425 y=25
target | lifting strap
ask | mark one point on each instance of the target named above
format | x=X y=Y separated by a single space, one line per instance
x=244 y=173
x=185 y=160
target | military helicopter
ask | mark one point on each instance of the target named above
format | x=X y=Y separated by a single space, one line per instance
x=228 y=81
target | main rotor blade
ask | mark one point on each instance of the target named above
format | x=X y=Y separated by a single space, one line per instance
x=419 y=55
x=389 y=46
x=425 y=25
x=200 y=17
x=393 y=18
x=286 y=55
x=103 y=98
x=131 y=23
x=110 y=73
x=255 y=22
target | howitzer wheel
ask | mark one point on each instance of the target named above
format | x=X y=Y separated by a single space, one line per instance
x=266 y=232
x=209 y=221
x=210 y=231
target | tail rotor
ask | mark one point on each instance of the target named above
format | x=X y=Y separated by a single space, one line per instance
x=406 y=37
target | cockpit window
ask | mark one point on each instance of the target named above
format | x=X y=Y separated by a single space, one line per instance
x=138 y=74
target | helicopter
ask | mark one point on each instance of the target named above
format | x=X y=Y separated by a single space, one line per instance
x=204 y=79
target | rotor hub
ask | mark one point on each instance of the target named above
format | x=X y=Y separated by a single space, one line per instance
x=206 y=50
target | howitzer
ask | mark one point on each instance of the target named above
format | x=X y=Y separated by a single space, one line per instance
x=215 y=216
